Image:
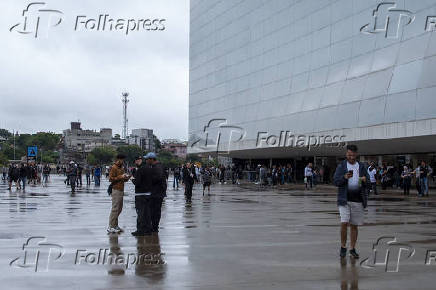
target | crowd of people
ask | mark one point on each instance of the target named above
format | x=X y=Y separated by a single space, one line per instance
x=74 y=174
x=23 y=173
x=189 y=174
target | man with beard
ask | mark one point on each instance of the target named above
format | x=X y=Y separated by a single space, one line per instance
x=143 y=190
x=158 y=190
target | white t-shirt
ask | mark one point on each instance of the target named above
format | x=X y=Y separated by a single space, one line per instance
x=308 y=171
x=372 y=174
x=353 y=182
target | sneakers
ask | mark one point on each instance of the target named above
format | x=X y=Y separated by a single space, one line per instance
x=343 y=252
x=112 y=230
x=354 y=254
x=118 y=229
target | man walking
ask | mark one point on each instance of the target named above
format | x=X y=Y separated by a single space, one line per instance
x=423 y=179
x=97 y=175
x=158 y=189
x=351 y=178
x=176 y=177
x=308 y=175
x=87 y=172
x=117 y=177
x=372 y=172
x=23 y=175
x=143 y=186
x=188 y=180
x=72 y=175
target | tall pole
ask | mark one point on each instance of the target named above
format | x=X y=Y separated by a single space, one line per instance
x=125 y=101
x=14 y=143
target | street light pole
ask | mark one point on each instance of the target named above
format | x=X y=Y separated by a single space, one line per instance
x=14 y=143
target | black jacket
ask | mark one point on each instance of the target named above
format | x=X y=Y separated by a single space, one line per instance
x=188 y=175
x=24 y=171
x=159 y=181
x=342 y=183
x=143 y=179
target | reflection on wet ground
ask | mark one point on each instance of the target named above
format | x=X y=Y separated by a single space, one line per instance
x=233 y=239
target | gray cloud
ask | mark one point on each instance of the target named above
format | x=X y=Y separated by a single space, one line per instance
x=47 y=82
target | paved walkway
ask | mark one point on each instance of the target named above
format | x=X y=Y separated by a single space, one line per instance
x=237 y=238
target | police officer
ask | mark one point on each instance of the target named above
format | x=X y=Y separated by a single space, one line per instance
x=158 y=190
x=143 y=188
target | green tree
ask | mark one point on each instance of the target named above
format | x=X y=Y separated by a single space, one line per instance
x=3 y=160
x=193 y=158
x=131 y=152
x=5 y=133
x=157 y=143
x=101 y=155
x=46 y=141
x=168 y=159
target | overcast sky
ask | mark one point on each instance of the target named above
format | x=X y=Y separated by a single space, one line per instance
x=79 y=75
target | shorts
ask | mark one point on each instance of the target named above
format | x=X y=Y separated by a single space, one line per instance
x=352 y=213
x=207 y=183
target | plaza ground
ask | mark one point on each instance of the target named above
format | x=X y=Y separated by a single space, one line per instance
x=236 y=238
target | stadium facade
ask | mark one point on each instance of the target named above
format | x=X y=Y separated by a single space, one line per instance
x=265 y=73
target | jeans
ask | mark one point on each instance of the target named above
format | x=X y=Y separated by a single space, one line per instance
x=23 y=180
x=424 y=185
x=88 y=179
x=176 y=182
x=45 y=178
x=97 y=180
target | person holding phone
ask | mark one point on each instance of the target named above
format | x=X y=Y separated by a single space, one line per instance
x=117 y=177
x=351 y=178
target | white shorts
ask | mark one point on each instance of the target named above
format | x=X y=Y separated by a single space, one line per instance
x=352 y=213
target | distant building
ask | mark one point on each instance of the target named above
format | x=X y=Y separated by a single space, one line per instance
x=79 y=140
x=175 y=146
x=144 y=138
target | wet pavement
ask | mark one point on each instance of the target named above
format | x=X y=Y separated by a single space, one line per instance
x=236 y=238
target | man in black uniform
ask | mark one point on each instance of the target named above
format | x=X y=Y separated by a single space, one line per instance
x=158 y=190
x=143 y=188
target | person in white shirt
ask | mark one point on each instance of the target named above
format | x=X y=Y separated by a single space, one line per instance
x=352 y=180
x=372 y=171
x=308 y=175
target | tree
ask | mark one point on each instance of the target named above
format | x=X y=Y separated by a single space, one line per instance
x=45 y=141
x=157 y=143
x=5 y=133
x=168 y=159
x=3 y=160
x=193 y=158
x=131 y=152
x=101 y=155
